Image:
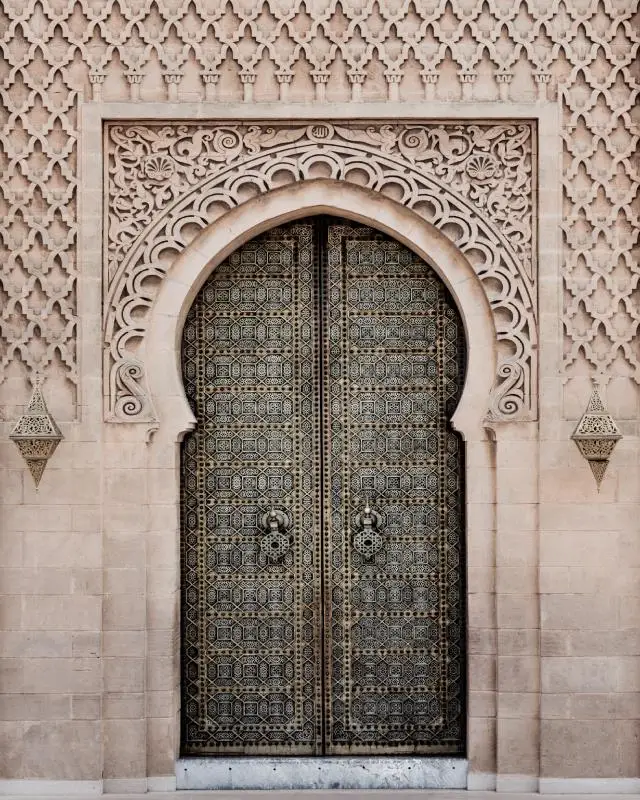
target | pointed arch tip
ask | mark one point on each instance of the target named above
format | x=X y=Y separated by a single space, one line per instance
x=239 y=225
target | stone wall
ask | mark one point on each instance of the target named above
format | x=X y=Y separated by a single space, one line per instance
x=88 y=563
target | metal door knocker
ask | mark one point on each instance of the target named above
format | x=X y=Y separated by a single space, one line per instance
x=367 y=540
x=276 y=540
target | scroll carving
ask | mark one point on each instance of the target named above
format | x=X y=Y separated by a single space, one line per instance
x=472 y=181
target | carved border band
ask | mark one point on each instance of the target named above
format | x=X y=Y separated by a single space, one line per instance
x=474 y=181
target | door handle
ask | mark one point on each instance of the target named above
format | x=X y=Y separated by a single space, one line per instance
x=367 y=540
x=276 y=541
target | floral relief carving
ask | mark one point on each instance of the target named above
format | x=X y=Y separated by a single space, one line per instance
x=473 y=181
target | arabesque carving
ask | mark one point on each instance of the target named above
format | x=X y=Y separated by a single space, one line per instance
x=169 y=181
x=582 y=53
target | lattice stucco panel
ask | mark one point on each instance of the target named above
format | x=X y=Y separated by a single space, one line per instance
x=55 y=51
x=474 y=182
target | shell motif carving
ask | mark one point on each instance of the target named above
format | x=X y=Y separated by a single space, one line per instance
x=159 y=168
x=482 y=167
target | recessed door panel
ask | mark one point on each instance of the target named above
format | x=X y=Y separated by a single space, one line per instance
x=251 y=599
x=322 y=541
x=393 y=548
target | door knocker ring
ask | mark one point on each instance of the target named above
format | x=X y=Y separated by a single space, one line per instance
x=367 y=540
x=276 y=541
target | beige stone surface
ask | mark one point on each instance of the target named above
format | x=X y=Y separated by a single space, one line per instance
x=49 y=749
x=585 y=748
x=89 y=564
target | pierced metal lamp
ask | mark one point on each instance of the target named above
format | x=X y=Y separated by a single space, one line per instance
x=36 y=434
x=596 y=436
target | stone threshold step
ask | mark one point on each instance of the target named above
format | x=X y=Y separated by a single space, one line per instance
x=322 y=794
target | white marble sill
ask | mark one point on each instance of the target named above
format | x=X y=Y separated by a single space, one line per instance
x=303 y=774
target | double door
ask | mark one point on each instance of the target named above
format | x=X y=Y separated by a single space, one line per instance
x=322 y=501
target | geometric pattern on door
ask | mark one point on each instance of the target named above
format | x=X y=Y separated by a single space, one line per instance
x=322 y=501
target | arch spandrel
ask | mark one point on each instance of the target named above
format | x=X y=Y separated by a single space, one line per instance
x=470 y=184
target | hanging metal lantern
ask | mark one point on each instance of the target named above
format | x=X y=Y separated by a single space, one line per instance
x=596 y=436
x=36 y=434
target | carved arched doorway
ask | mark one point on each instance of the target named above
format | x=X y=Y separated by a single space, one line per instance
x=322 y=501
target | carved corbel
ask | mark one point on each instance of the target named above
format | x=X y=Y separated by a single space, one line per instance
x=128 y=386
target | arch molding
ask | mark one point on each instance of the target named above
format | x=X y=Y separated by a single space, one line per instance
x=173 y=187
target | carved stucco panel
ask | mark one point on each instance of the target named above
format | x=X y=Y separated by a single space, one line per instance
x=473 y=181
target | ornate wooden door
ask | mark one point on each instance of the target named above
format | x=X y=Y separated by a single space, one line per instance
x=322 y=543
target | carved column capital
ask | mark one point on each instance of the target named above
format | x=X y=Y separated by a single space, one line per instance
x=542 y=79
x=467 y=79
x=96 y=79
x=320 y=79
x=172 y=79
x=284 y=78
x=210 y=78
x=504 y=80
x=356 y=79
x=135 y=79
x=393 y=82
x=430 y=80
x=248 y=79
